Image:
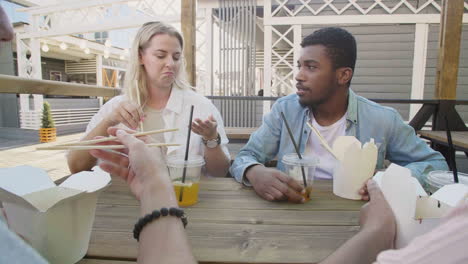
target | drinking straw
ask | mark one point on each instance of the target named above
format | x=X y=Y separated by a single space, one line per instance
x=181 y=194
x=451 y=152
x=295 y=147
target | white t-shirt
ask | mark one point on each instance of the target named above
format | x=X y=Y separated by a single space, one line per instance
x=327 y=162
x=176 y=114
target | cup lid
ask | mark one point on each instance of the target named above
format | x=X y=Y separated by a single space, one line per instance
x=441 y=178
x=179 y=161
x=306 y=161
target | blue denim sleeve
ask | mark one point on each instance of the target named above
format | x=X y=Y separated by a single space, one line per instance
x=406 y=149
x=262 y=146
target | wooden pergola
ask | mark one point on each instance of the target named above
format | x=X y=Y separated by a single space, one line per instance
x=444 y=115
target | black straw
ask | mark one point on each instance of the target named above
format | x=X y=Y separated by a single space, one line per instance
x=181 y=194
x=295 y=147
x=451 y=152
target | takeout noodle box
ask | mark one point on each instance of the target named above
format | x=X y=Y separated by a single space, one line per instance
x=55 y=220
x=416 y=213
x=356 y=164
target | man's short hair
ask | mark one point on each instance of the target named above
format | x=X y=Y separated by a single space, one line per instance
x=340 y=44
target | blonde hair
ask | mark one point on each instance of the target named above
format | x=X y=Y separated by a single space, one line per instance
x=135 y=77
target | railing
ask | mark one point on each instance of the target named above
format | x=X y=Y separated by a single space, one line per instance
x=241 y=111
x=237 y=111
x=64 y=117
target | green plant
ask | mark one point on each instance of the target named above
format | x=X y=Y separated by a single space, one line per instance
x=47 y=120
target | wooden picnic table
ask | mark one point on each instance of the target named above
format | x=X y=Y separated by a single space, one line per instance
x=231 y=224
x=459 y=138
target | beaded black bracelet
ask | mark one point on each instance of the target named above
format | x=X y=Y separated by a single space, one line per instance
x=177 y=212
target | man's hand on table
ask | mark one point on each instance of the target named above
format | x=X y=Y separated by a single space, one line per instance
x=274 y=185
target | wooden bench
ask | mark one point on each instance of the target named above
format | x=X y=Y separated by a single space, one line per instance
x=459 y=138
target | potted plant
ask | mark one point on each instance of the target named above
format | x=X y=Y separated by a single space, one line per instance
x=47 y=132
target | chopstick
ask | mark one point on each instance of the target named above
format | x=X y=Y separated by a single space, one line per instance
x=140 y=134
x=322 y=140
x=88 y=147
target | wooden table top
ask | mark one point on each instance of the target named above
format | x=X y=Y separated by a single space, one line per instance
x=459 y=138
x=231 y=224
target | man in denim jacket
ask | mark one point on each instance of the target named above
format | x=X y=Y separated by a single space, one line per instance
x=323 y=97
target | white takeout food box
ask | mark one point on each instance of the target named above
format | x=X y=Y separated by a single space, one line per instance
x=55 y=220
x=416 y=213
x=356 y=164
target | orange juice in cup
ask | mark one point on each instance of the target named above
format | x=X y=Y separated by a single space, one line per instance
x=299 y=169
x=185 y=188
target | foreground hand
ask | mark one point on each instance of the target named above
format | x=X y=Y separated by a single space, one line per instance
x=126 y=113
x=274 y=185
x=141 y=167
x=377 y=215
x=206 y=129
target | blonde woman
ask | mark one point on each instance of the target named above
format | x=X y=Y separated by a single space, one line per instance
x=157 y=70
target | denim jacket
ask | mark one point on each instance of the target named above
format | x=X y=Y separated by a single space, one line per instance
x=365 y=120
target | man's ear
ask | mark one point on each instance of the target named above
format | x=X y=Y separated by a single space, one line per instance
x=344 y=75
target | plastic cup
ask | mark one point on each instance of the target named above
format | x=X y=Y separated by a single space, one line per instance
x=438 y=179
x=295 y=166
x=190 y=186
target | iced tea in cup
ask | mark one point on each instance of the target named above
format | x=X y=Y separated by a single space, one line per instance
x=295 y=166
x=189 y=187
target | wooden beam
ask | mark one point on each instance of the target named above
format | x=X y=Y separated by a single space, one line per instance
x=19 y=85
x=188 y=23
x=449 y=49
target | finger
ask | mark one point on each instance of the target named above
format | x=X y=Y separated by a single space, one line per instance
x=115 y=169
x=362 y=191
x=374 y=190
x=135 y=111
x=278 y=195
x=129 y=117
x=110 y=157
x=198 y=121
x=292 y=183
x=130 y=141
x=269 y=197
x=212 y=118
x=365 y=198
x=197 y=131
x=113 y=130
x=147 y=139
x=290 y=193
x=294 y=196
x=203 y=125
x=196 y=126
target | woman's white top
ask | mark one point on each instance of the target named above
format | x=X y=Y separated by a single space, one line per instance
x=176 y=114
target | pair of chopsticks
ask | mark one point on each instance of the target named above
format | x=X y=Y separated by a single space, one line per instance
x=89 y=144
x=323 y=142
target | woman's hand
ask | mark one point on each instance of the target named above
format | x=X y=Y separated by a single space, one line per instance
x=126 y=113
x=206 y=129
